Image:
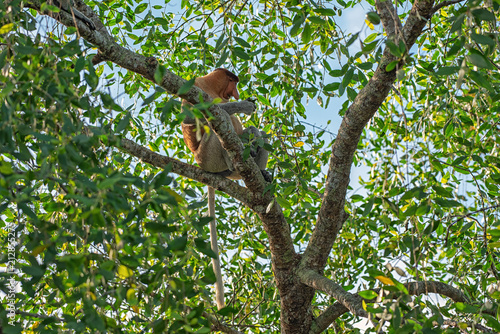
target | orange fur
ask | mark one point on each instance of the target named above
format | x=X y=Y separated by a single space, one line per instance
x=220 y=83
x=189 y=134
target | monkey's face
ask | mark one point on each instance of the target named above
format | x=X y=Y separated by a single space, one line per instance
x=231 y=90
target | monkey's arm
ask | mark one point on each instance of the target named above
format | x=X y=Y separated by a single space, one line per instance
x=242 y=107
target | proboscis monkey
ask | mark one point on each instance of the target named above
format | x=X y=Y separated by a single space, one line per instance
x=67 y=6
x=211 y=156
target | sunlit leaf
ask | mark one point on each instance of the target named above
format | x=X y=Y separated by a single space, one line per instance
x=385 y=280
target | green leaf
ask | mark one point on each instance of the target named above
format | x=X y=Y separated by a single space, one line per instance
x=371 y=38
x=331 y=86
x=123 y=123
x=483 y=39
x=447 y=70
x=368 y=48
x=479 y=61
x=367 y=294
x=283 y=203
x=178 y=244
x=446 y=203
x=348 y=77
x=204 y=247
x=373 y=18
x=353 y=39
x=466 y=308
x=481 y=80
x=317 y=20
x=368 y=207
x=483 y=14
x=6 y=168
x=394 y=49
x=242 y=42
x=391 y=66
x=159 y=73
x=325 y=11
x=186 y=87
x=240 y=53
x=306 y=34
x=457 y=23
x=142 y=7
x=365 y=66
x=295 y=30
x=220 y=44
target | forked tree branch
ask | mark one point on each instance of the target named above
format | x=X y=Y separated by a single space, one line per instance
x=414 y=289
x=389 y=17
x=352 y=302
x=332 y=215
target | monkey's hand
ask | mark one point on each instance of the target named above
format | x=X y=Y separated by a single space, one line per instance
x=243 y=107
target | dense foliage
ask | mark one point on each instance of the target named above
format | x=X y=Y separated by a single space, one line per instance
x=99 y=241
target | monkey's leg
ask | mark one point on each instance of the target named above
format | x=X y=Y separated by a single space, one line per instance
x=219 y=284
x=211 y=156
x=259 y=154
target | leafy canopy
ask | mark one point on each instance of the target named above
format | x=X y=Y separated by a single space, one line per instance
x=104 y=242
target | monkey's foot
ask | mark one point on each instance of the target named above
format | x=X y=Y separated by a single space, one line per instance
x=267 y=175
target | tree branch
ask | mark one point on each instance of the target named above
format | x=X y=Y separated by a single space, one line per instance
x=64 y=17
x=219 y=325
x=453 y=323
x=352 y=302
x=389 y=17
x=426 y=287
x=321 y=323
x=414 y=289
x=332 y=214
x=444 y=4
x=39 y=316
x=215 y=181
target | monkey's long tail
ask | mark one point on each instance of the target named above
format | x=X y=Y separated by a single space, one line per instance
x=219 y=285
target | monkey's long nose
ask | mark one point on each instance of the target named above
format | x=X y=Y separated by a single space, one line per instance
x=236 y=95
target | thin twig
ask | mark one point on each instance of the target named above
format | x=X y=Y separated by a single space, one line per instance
x=444 y=4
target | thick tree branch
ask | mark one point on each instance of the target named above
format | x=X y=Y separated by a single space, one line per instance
x=326 y=318
x=217 y=182
x=426 y=287
x=414 y=289
x=319 y=282
x=389 y=17
x=64 y=17
x=332 y=215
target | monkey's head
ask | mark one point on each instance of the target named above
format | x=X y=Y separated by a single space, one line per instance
x=220 y=83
